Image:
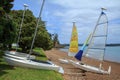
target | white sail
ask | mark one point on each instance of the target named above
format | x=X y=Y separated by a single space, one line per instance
x=96 y=48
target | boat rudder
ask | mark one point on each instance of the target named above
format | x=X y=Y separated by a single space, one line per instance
x=109 y=69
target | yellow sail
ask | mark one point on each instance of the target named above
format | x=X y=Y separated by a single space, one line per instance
x=73 y=49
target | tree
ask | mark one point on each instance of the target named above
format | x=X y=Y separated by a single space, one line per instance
x=55 y=40
x=7 y=26
x=5 y=6
x=42 y=39
x=7 y=32
x=27 y=28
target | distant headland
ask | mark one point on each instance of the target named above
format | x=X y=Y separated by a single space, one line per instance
x=118 y=44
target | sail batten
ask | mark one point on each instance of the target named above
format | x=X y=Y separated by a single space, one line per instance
x=102 y=23
x=98 y=48
x=100 y=36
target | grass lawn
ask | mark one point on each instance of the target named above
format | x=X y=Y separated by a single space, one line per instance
x=17 y=73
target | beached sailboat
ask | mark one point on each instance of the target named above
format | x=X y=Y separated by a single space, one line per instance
x=73 y=49
x=14 y=53
x=18 y=55
x=32 y=63
x=96 y=48
x=66 y=61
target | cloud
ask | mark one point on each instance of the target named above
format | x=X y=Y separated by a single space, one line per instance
x=85 y=15
x=60 y=15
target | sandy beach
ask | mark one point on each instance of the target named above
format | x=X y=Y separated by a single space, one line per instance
x=72 y=73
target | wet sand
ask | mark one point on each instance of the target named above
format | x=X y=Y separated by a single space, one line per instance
x=73 y=73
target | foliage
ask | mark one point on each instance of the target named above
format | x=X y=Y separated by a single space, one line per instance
x=7 y=32
x=5 y=6
x=42 y=39
x=7 y=26
x=41 y=54
x=55 y=40
x=27 y=28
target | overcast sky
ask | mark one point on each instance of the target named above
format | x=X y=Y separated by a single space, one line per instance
x=59 y=15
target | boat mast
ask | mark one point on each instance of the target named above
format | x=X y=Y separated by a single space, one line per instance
x=25 y=7
x=106 y=31
x=36 y=28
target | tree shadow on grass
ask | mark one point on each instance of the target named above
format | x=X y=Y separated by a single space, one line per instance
x=4 y=67
x=2 y=72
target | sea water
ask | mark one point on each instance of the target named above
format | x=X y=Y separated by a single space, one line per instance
x=112 y=53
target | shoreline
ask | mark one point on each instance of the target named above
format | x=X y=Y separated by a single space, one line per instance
x=110 y=55
x=72 y=72
x=114 y=44
x=111 y=62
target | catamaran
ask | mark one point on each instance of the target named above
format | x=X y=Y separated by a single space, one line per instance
x=14 y=53
x=66 y=61
x=96 y=48
x=32 y=63
x=73 y=49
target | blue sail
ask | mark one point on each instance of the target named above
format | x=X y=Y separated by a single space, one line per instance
x=78 y=56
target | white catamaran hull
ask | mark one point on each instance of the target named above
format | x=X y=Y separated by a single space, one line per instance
x=90 y=68
x=33 y=64
x=18 y=55
x=64 y=61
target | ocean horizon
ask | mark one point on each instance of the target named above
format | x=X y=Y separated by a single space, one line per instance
x=112 y=53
